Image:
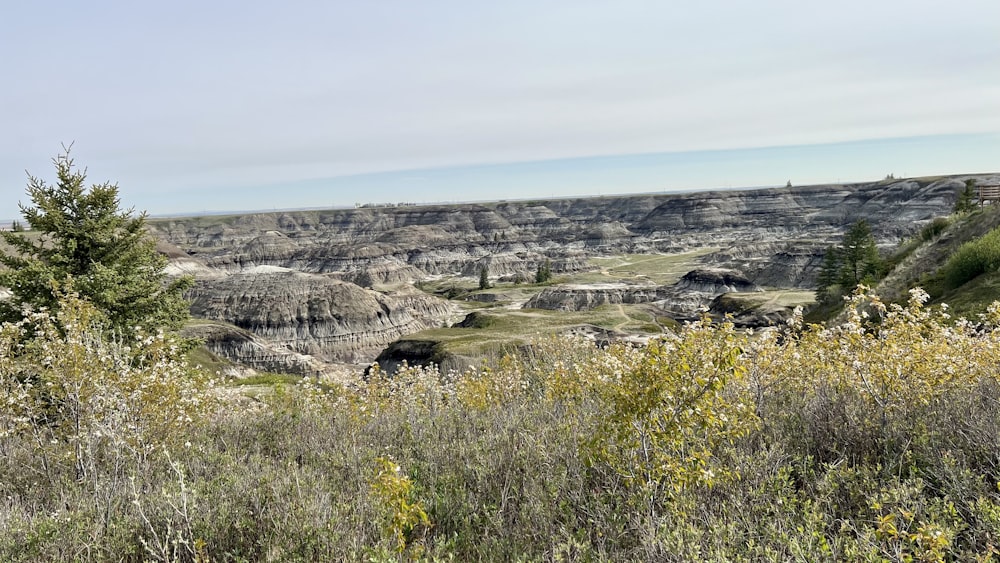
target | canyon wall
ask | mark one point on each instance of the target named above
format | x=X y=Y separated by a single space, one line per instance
x=336 y=285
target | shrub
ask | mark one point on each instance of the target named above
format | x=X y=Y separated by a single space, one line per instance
x=934 y=228
x=82 y=415
x=874 y=440
x=667 y=406
x=972 y=259
x=69 y=385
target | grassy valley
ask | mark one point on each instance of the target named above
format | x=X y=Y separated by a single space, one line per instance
x=499 y=323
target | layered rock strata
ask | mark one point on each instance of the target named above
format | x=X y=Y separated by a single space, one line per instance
x=585 y=297
x=249 y=350
x=715 y=281
x=693 y=291
x=378 y=246
x=292 y=279
x=316 y=315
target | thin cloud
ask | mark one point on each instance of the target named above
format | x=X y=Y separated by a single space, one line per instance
x=170 y=97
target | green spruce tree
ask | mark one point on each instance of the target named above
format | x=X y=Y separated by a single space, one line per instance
x=84 y=242
x=855 y=261
x=859 y=258
x=544 y=272
x=828 y=281
x=967 y=198
x=484 y=278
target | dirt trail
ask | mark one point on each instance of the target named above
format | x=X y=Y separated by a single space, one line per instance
x=627 y=319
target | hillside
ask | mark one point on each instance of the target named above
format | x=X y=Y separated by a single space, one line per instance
x=340 y=285
x=875 y=440
x=922 y=259
x=872 y=439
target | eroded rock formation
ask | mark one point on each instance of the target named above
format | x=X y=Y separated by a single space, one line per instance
x=317 y=315
x=715 y=281
x=247 y=349
x=293 y=280
x=696 y=290
x=585 y=297
x=754 y=229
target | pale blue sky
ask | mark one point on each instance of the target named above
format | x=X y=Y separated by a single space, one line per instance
x=194 y=106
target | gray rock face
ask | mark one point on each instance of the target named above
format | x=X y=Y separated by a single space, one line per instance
x=715 y=281
x=584 y=298
x=247 y=349
x=747 y=313
x=774 y=264
x=697 y=289
x=292 y=279
x=420 y=353
x=694 y=290
x=373 y=246
x=316 y=315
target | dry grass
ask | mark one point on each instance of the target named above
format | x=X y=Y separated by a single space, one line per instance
x=659 y=269
x=873 y=441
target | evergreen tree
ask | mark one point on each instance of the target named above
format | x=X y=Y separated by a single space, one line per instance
x=87 y=244
x=856 y=260
x=544 y=272
x=859 y=258
x=829 y=275
x=484 y=278
x=966 y=198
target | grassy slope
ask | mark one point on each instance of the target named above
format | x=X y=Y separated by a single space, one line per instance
x=502 y=329
x=769 y=300
x=923 y=261
x=660 y=269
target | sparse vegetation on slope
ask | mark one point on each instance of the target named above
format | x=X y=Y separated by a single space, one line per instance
x=972 y=259
x=956 y=258
x=951 y=258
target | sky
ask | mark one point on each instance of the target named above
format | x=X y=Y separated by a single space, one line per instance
x=240 y=105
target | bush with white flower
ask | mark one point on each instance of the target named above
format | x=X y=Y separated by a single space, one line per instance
x=80 y=396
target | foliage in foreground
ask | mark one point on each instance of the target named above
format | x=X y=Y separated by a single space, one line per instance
x=875 y=440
